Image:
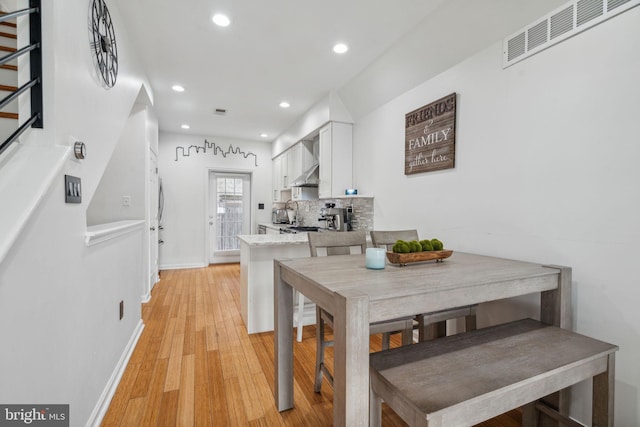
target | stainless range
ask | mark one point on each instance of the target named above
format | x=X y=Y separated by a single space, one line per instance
x=297 y=229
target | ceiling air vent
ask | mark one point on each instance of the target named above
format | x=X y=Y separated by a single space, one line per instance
x=567 y=21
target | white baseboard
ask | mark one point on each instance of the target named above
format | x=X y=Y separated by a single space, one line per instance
x=180 y=266
x=110 y=389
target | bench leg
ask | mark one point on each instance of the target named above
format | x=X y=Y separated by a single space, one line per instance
x=386 y=340
x=432 y=331
x=603 y=391
x=470 y=322
x=375 y=409
x=530 y=415
x=407 y=332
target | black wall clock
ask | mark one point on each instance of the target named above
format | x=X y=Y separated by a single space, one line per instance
x=103 y=43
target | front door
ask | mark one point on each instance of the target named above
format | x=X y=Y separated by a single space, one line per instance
x=229 y=214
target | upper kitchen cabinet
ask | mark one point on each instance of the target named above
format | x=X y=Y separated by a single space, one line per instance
x=277 y=179
x=300 y=159
x=290 y=165
x=335 y=152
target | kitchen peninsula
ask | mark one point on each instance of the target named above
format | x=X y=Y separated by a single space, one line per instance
x=257 y=252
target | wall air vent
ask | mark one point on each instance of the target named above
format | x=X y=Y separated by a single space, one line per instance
x=561 y=22
x=612 y=4
x=517 y=46
x=567 y=21
x=537 y=35
x=588 y=10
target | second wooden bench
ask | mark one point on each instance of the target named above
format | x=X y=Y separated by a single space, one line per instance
x=468 y=378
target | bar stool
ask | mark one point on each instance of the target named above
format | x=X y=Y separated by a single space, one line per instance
x=429 y=325
x=341 y=244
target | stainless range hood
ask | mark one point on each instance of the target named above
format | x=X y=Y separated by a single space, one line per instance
x=309 y=178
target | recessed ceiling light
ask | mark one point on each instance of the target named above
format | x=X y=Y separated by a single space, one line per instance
x=177 y=88
x=340 y=48
x=285 y=104
x=185 y=126
x=264 y=135
x=221 y=20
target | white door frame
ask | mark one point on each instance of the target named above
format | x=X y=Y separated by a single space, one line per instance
x=151 y=276
x=209 y=171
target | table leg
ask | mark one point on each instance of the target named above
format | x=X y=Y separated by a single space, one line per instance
x=555 y=305
x=351 y=361
x=283 y=341
x=555 y=309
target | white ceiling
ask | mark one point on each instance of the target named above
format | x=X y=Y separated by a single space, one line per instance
x=273 y=50
x=282 y=50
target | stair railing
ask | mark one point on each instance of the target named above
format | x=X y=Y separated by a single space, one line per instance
x=35 y=63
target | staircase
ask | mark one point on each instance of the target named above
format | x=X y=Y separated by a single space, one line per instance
x=8 y=79
x=26 y=170
x=30 y=51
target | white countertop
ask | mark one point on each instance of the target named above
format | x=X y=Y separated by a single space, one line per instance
x=274 y=239
x=280 y=239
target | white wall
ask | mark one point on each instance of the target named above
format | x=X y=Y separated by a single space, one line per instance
x=124 y=176
x=546 y=171
x=62 y=338
x=329 y=108
x=185 y=183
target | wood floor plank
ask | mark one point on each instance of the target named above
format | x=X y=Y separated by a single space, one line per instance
x=202 y=401
x=143 y=380
x=195 y=365
x=218 y=396
x=168 y=409
x=134 y=412
x=172 y=381
x=155 y=394
x=121 y=398
x=186 y=415
x=189 y=345
x=167 y=339
x=235 y=405
x=212 y=337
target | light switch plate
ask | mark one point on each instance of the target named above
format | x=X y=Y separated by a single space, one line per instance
x=72 y=189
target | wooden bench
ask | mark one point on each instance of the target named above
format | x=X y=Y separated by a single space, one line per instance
x=468 y=378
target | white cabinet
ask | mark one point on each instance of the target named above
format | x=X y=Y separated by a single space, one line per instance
x=300 y=158
x=284 y=171
x=277 y=178
x=290 y=165
x=293 y=163
x=335 y=159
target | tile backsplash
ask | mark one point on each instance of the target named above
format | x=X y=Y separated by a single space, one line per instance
x=309 y=211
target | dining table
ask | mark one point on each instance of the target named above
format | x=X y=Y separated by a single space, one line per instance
x=357 y=296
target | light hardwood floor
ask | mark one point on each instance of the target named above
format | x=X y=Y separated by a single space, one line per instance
x=195 y=365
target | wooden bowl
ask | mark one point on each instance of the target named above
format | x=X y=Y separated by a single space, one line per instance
x=403 y=259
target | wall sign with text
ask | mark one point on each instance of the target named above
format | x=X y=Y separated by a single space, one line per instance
x=430 y=137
